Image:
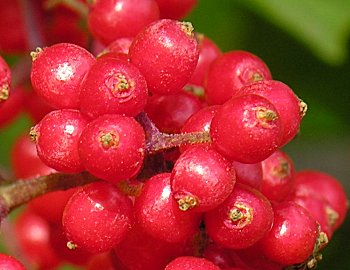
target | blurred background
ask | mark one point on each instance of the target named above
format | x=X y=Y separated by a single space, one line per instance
x=306 y=45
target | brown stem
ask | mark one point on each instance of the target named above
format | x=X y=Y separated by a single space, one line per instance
x=157 y=141
x=20 y=192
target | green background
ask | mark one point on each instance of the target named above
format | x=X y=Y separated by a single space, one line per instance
x=306 y=45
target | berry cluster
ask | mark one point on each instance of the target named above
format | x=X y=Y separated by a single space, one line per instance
x=183 y=142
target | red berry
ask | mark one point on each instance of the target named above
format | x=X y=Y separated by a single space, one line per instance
x=170 y=112
x=311 y=182
x=166 y=52
x=33 y=236
x=249 y=174
x=199 y=122
x=140 y=251
x=13 y=106
x=97 y=217
x=278 y=176
x=242 y=220
x=191 y=263
x=112 y=147
x=58 y=71
x=175 y=9
x=293 y=235
x=201 y=179
x=208 y=52
x=158 y=213
x=54 y=202
x=57 y=137
x=230 y=71
x=112 y=19
x=25 y=160
x=9 y=263
x=289 y=107
x=113 y=86
x=246 y=129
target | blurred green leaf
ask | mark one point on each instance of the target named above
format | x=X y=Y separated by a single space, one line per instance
x=323 y=26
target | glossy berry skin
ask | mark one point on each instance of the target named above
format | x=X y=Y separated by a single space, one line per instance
x=292 y=237
x=278 y=176
x=249 y=174
x=57 y=137
x=208 y=52
x=113 y=86
x=175 y=9
x=33 y=237
x=119 y=45
x=325 y=186
x=246 y=129
x=320 y=210
x=10 y=263
x=199 y=122
x=25 y=161
x=112 y=19
x=57 y=72
x=201 y=179
x=191 y=263
x=242 y=220
x=13 y=106
x=97 y=217
x=166 y=52
x=54 y=202
x=140 y=251
x=5 y=79
x=170 y=112
x=58 y=240
x=287 y=104
x=35 y=106
x=157 y=212
x=230 y=71
x=111 y=147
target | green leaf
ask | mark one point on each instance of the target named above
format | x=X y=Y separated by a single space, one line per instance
x=322 y=25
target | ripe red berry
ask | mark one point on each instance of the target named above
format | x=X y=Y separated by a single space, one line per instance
x=208 y=52
x=246 y=129
x=112 y=147
x=140 y=251
x=113 y=86
x=201 y=179
x=57 y=137
x=191 y=263
x=199 y=122
x=289 y=107
x=9 y=263
x=166 y=52
x=278 y=176
x=97 y=217
x=170 y=112
x=249 y=174
x=112 y=19
x=310 y=182
x=175 y=9
x=11 y=109
x=33 y=236
x=25 y=161
x=242 y=220
x=230 y=71
x=293 y=235
x=57 y=72
x=158 y=214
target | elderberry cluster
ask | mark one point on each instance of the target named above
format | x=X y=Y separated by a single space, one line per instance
x=183 y=142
